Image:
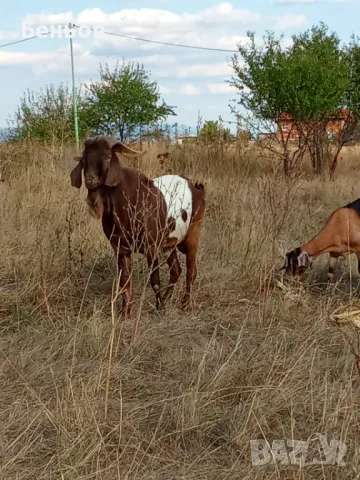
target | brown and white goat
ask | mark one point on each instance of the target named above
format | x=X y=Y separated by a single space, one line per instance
x=340 y=237
x=143 y=215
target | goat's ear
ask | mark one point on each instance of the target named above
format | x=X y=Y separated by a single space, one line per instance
x=127 y=151
x=76 y=175
x=304 y=260
x=113 y=175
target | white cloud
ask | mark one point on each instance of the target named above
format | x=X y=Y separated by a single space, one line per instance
x=214 y=27
x=205 y=70
x=22 y=58
x=290 y=21
x=49 y=19
x=56 y=61
x=221 y=88
x=149 y=18
x=209 y=27
x=189 y=90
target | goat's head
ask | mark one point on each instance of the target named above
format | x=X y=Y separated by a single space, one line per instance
x=296 y=262
x=100 y=163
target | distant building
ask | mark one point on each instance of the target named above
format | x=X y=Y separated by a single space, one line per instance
x=186 y=139
x=286 y=128
x=264 y=135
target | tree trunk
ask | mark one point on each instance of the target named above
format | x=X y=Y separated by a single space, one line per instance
x=334 y=163
x=286 y=165
x=317 y=148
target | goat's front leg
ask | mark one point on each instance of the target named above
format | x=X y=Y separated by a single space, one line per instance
x=358 y=258
x=153 y=263
x=175 y=272
x=124 y=271
x=332 y=265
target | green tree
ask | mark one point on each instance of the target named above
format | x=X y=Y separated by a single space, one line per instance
x=212 y=132
x=351 y=101
x=123 y=101
x=46 y=116
x=310 y=81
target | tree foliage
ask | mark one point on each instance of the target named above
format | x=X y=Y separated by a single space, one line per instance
x=310 y=80
x=212 y=132
x=123 y=101
x=46 y=116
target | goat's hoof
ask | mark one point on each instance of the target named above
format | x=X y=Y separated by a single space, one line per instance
x=188 y=304
x=160 y=306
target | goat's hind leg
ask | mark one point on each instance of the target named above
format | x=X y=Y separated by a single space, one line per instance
x=189 y=249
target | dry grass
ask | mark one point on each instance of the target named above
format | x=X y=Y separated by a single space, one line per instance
x=187 y=396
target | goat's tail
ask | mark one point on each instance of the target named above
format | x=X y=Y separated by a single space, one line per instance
x=201 y=187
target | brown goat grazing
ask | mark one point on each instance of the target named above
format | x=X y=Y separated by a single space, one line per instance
x=143 y=215
x=340 y=237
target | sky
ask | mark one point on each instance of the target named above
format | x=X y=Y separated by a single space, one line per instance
x=192 y=80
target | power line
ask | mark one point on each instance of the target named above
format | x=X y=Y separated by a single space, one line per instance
x=18 y=41
x=26 y=39
x=169 y=43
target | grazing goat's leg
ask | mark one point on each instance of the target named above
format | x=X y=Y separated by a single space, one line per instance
x=332 y=265
x=358 y=257
x=124 y=267
x=175 y=272
x=153 y=263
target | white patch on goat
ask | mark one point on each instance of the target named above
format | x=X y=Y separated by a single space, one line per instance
x=178 y=197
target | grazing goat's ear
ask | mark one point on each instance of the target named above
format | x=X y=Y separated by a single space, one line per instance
x=113 y=175
x=76 y=174
x=127 y=151
x=304 y=260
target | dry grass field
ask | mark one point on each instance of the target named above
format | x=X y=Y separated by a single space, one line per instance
x=78 y=400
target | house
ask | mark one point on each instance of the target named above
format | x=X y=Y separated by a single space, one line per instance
x=265 y=135
x=287 y=130
x=186 y=139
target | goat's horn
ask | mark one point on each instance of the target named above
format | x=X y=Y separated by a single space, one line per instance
x=126 y=150
x=131 y=151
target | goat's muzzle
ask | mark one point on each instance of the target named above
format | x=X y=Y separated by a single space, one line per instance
x=91 y=182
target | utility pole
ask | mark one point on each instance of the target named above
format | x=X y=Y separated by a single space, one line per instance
x=74 y=90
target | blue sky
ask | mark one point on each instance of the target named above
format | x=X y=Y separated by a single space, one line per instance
x=192 y=80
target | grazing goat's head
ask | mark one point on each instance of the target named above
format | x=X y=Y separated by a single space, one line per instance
x=100 y=163
x=296 y=263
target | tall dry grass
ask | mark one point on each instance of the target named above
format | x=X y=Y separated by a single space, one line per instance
x=184 y=399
